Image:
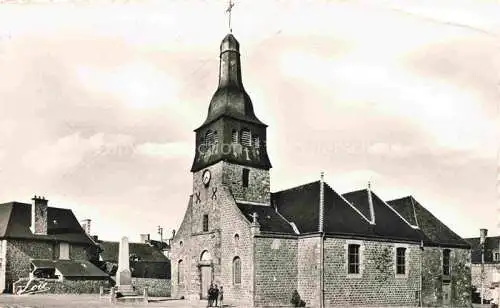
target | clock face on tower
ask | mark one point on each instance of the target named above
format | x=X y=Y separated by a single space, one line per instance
x=206 y=177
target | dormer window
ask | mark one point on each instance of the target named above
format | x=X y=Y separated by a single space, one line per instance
x=246 y=137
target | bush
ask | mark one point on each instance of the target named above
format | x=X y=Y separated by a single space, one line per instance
x=296 y=300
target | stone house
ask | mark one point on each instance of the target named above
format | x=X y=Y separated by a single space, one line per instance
x=350 y=249
x=41 y=241
x=491 y=263
x=148 y=265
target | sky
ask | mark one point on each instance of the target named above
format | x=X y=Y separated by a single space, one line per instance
x=99 y=99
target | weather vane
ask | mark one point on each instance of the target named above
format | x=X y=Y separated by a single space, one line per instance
x=229 y=9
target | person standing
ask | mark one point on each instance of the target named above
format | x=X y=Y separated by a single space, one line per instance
x=216 y=295
x=221 y=297
x=210 y=295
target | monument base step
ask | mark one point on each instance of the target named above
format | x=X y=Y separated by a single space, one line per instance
x=131 y=299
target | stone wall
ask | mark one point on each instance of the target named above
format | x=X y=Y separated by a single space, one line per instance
x=156 y=287
x=377 y=283
x=19 y=253
x=275 y=271
x=66 y=286
x=308 y=270
x=432 y=277
x=258 y=184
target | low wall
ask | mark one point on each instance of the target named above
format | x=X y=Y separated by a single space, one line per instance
x=56 y=286
x=156 y=287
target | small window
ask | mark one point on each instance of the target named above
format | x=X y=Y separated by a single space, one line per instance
x=496 y=256
x=246 y=137
x=181 y=243
x=353 y=259
x=400 y=261
x=236 y=237
x=63 y=251
x=236 y=270
x=234 y=136
x=180 y=272
x=446 y=262
x=245 y=177
x=205 y=223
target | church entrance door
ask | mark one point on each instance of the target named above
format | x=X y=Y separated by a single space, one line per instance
x=206 y=280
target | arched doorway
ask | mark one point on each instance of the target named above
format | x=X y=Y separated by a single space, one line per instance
x=205 y=273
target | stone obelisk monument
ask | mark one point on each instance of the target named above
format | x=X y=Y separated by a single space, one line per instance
x=123 y=274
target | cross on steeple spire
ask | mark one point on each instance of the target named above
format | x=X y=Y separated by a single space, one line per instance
x=229 y=10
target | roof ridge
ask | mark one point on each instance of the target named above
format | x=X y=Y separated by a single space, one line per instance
x=401 y=198
x=397 y=213
x=350 y=204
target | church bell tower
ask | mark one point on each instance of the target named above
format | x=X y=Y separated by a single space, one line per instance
x=231 y=143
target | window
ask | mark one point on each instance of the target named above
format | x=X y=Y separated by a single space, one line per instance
x=63 y=251
x=400 y=260
x=246 y=138
x=446 y=262
x=234 y=136
x=211 y=138
x=353 y=259
x=245 y=176
x=496 y=256
x=256 y=142
x=236 y=270
x=180 y=272
x=205 y=223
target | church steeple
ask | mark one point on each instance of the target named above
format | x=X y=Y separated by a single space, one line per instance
x=230 y=99
x=231 y=132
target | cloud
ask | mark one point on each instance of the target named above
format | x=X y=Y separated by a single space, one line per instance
x=74 y=151
x=165 y=150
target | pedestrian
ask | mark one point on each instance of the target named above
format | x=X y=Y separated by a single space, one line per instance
x=221 y=297
x=216 y=295
x=210 y=295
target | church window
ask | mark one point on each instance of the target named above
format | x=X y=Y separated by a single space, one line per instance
x=246 y=137
x=245 y=177
x=236 y=270
x=496 y=256
x=180 y=272
x=211 y=138
x=446 y=262
x=353 y=259
x=205 y=223
x=256 y=141
x=400 y=260
x=234 y=136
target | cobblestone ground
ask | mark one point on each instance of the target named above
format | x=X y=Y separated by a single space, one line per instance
x=92 y=301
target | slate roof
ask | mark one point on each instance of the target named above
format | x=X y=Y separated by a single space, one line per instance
x=491 y=246
x=71 y=268
x=62 y=225
x=145 y=252
x=436 y=232
x=269 y=220
x=300 y=205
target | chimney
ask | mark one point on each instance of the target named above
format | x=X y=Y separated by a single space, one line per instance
x=39 y=215
x=144 y=238
x=484 y=233
x=86 y=225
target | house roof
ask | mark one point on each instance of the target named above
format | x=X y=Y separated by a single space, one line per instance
x=62 y=225
x=267 y=217
x=491 y=245
x=71 y=268
x=145 y=252
x=436 y=232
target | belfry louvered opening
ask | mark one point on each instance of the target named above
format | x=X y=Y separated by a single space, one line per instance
x=246 y=137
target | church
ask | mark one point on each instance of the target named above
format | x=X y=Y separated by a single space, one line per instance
x=352 y=249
